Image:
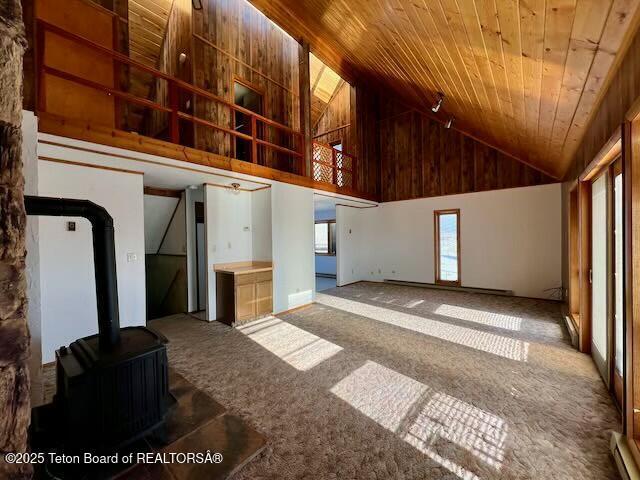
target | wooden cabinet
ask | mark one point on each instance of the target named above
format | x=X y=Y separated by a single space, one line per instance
x=243 y=297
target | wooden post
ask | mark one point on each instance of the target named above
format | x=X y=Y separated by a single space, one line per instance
x=305 y=106
x=174 y=104
x=334 y=163
x=254 y=136
x=14 y=330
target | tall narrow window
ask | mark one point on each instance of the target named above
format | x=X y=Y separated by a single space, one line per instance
x=447 y=245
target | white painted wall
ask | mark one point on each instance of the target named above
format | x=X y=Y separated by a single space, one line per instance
x=66 y=258
x=293 y=251
x=326 y=263
x=175 y=241
x=510 y=240
x=157 y=215
x=229 y=238
x=261 y=225
x=34 y=312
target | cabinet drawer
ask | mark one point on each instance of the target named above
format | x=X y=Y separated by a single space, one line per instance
x=264 y=276
x=245 y=278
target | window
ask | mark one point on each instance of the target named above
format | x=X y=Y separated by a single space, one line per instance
x=251 y=99
x=325 y=237
x=447 y=246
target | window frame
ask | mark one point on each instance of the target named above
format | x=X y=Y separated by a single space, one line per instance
x=436 y=229
x=331 y=244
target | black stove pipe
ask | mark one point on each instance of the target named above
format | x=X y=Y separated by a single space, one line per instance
x=104 y=256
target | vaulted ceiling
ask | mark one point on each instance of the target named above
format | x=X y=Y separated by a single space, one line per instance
x=523 y=75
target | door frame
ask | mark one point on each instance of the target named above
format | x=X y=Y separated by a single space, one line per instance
x=604 y=363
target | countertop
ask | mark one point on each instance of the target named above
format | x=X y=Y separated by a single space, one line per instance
x=240 y=268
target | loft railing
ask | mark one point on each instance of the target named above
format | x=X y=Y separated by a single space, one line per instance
x=175 y=87
x=333 y=166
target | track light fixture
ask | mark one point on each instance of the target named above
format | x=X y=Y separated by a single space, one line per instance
x=438 y=104
x=449 y=123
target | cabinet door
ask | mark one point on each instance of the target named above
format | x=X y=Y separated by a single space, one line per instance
x=264 y=291
x=245 y=302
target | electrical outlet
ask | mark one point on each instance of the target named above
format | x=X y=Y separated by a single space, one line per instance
x=131 y=257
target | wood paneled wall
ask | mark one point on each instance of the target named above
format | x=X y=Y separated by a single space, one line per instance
x=623 y=91
x=334 y=125
x=365 y=114
x=234 y=40
x=420 y=158
x=177 y=40
x=60 y=96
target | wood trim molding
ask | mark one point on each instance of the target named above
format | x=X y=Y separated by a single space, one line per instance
x=55 y=125
x=609 y=152
x=151 y=162
x=584 y=234
x=345 y=199
x=162 y=192
x=88 y=165
x=295 y=309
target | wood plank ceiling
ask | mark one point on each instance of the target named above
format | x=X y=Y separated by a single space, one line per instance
x=147 y=25
x=525 y=76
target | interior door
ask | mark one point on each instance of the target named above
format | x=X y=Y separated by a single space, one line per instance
x=599 y=287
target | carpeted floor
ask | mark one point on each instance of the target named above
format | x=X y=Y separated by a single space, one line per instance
x=390 y=382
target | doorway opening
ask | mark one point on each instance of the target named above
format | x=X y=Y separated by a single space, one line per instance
x=251 y=98
x=165 y=252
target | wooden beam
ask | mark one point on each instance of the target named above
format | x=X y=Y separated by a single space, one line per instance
x=162 y=192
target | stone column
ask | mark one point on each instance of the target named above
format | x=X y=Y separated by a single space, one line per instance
x=14 y=333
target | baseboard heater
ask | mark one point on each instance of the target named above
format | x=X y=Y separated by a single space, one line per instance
x=490 y=291
x=623 y=457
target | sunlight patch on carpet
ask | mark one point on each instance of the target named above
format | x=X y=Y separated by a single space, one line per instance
x=507 y=322
x=299 y=348
x=423 y=417
x=506 y=347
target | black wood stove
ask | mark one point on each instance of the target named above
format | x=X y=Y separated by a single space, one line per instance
x=112 y=388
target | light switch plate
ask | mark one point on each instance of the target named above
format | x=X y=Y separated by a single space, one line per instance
x=131 y=257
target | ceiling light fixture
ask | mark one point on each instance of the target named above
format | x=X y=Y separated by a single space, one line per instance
x=438 y=104
x=235 y=188
x=449 y=123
